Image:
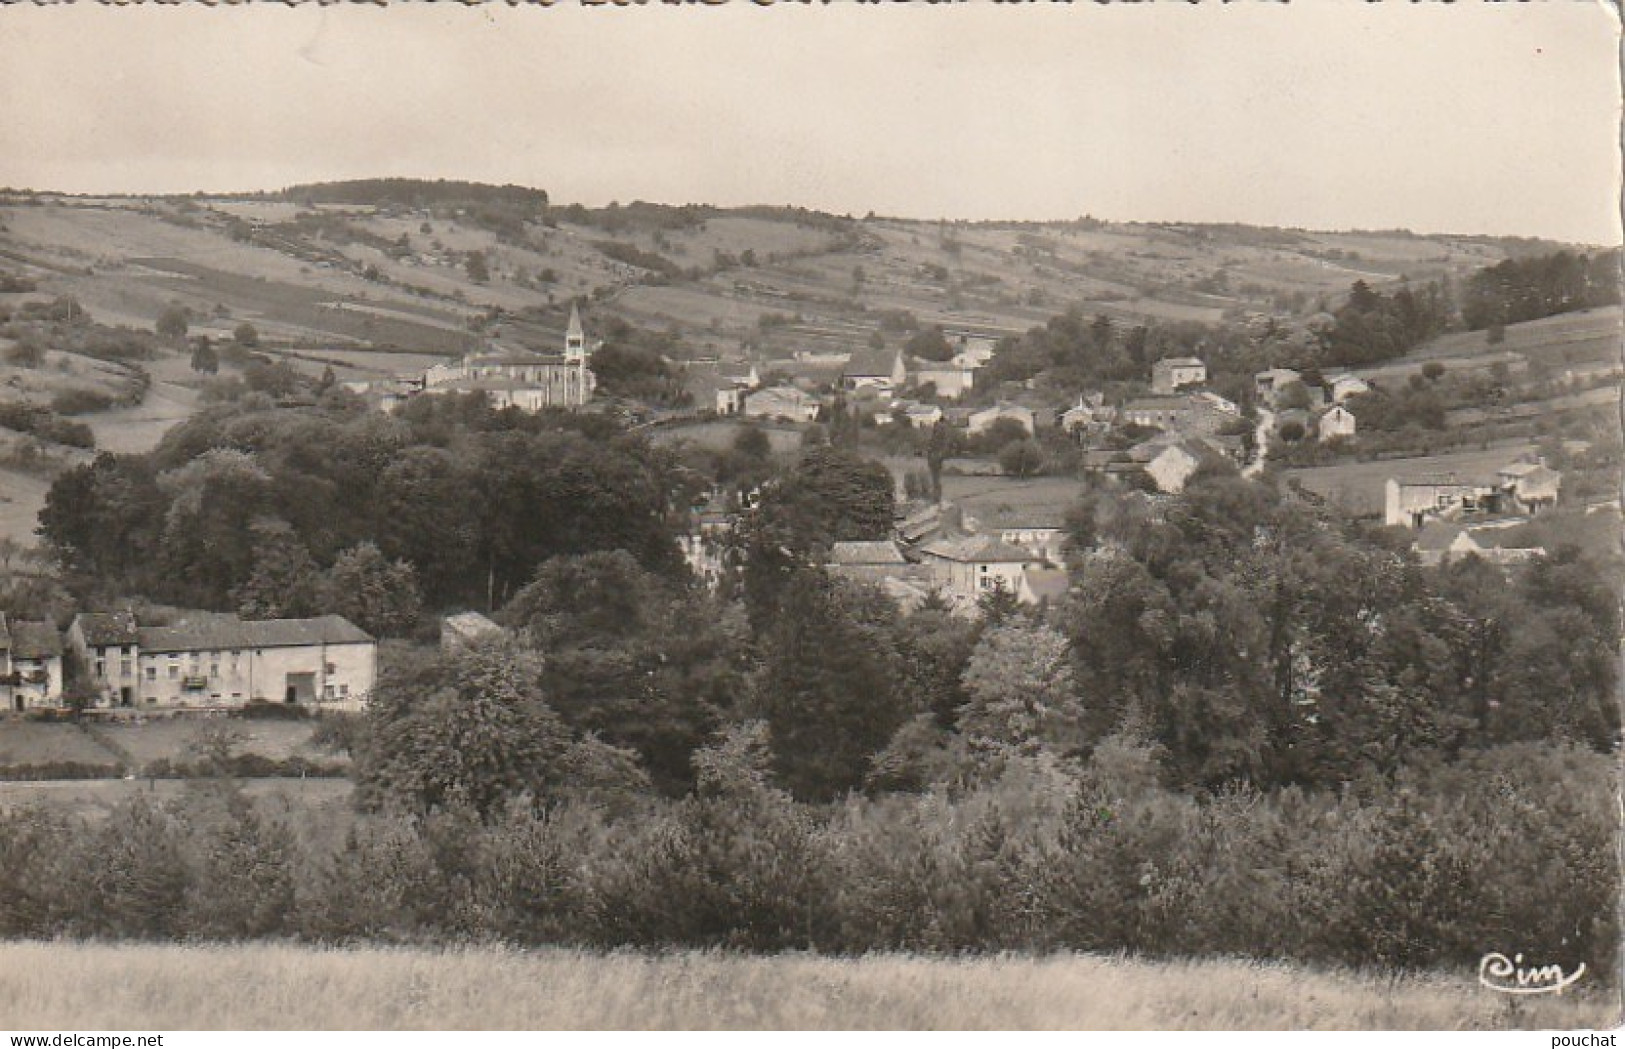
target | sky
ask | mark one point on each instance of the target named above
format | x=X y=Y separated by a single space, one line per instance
x=1326 y=114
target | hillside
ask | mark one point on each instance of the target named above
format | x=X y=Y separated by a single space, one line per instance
x=378 y=277
x=393 y=276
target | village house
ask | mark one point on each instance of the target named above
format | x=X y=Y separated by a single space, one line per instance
x=950 y=379
x=913 y=413
x=1090 y=414
x=982 y=421
x=968 y=569
x=30 y=664
x=1532 y=486
x=1188 y=414
x=731 y=388
x=385 y=395
x=867 y=561
x=1344 y=386
x=1517 y=488
x=1172 y=374
x=1337 y=422
x=1175 y=464
x=973 y=348
x=1041 y=531
x=1497 y=542
x=1268 y=384
x=784 y=403
x=881 y=370
x=216 y=660
x=707 y=544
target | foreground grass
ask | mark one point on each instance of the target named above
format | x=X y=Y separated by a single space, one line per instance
x=276 y=987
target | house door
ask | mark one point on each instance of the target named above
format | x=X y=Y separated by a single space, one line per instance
x=301 y=688
x=125 y=697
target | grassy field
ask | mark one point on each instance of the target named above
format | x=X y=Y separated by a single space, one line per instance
x=1358 y=487
x=276 y=987
x=133 y=745
x=94 y=798
x=719 y=435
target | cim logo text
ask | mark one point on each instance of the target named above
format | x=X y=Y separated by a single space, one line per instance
x=1510 y=976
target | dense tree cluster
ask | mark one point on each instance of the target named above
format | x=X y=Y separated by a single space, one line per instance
x=1526 y=289
x=1373 y=327
x=1423 y=872
x=472 y=500
x=636 y=363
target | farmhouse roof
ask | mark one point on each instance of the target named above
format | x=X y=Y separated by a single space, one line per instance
x=34 y=640
x=226 y=631
x=1004 y=409
x=866 y=552
x=1176 y=402
x=1438 y=536
x=871 y=363
x=1006 y=515
x=978 y=549
x=1181 y=362
x=101 y=629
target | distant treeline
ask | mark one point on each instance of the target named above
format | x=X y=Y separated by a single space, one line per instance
x=1528 y=289
x=416 y=193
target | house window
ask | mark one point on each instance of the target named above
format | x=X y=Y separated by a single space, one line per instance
x=327 y=692
x=152 y=675
x=124 y=668
x=332 y=668
x=174 y=671
x=101 y=668
x=214 y=671
x=344 y=690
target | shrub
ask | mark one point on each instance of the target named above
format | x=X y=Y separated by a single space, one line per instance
x=80 y=401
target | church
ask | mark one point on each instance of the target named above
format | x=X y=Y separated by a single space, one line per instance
x=522 y=378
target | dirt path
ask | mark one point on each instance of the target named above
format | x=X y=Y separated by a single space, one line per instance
x=139 y=429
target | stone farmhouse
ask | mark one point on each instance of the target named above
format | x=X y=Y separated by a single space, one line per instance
x=216 y=660
x=782 y=402
x=30 y=664
x=880 y=370
x=1172 y=374
x=1516 y=488
x=1193 y=414
x=982 y=421
x=1494 y=541
x=951 y=379
x=1337 y=422
x=968 y=569
x=1268 y=384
